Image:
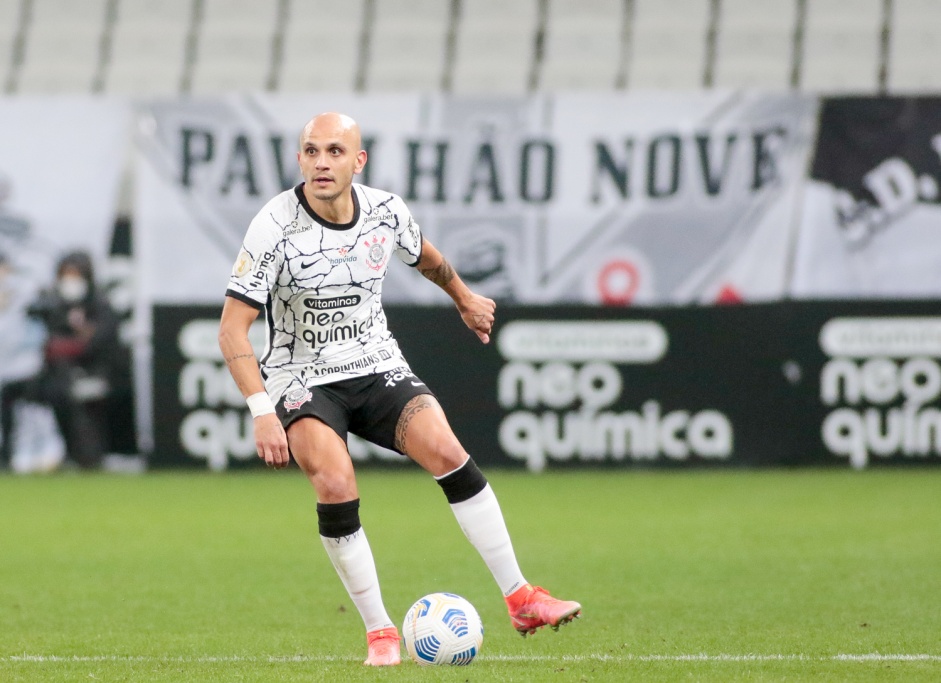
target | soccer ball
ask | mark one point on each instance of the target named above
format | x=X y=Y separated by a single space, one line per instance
x=443 y=628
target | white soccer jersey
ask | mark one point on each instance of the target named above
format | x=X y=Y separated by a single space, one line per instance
x=320 y=284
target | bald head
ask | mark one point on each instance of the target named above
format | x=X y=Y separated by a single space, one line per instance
x=332 y=125
x=330 y=155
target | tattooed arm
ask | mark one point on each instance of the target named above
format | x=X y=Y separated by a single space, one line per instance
x=237 y=317
x=476 y=311
x=237 y=351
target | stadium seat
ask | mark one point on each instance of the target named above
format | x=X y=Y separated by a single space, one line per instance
x=321 y=46
x=407 y=46
x=668 y=44
x=916 y=39
x=588 y=44
x=755 y=44
x=234 y=50
x=495 y=47
x=148 y=47
x=841 y=46
x=63 y=46
x=583 y=45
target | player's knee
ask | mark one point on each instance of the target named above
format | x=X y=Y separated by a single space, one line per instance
x=463 y=483
x=333 y=486
x=451 y=455
x=438 y=453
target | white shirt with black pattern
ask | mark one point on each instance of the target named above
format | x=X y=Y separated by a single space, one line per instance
x=320 y=285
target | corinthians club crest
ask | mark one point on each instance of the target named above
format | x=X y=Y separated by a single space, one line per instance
x=376 y=252
x=295 y=398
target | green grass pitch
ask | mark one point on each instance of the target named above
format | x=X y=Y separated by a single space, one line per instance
x=706 y=576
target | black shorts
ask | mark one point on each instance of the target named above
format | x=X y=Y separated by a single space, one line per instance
x=369 y=407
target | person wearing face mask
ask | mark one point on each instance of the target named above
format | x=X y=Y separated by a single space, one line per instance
x=78 y=364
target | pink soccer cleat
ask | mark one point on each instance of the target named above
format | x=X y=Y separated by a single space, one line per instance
x=531 y=607
x=383 y=647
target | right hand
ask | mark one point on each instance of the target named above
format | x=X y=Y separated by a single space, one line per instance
x=271 y=441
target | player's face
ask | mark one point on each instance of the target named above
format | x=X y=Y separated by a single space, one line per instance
x=330 y=155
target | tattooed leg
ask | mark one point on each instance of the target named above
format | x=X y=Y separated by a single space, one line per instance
x=411 y=409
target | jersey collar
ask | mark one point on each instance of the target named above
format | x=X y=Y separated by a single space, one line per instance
x=299 y=193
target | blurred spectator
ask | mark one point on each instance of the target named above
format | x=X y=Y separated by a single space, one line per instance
x=79 y=365
x=35 y=444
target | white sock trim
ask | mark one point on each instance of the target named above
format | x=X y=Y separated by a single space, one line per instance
x=448 y=474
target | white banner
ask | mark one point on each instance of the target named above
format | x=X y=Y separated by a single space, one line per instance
x=873 y=204
x=61 y=160
x=647 y=198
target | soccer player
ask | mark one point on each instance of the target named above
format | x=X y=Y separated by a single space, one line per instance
x=314 y=259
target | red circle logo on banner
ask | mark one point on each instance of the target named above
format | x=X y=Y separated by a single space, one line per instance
x=618 y=282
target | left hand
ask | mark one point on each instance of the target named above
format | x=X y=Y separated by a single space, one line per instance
x=76 y=318
x=477 y=312
x=83 y=327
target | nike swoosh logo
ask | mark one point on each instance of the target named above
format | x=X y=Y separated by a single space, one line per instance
x=418 y=384
x=307 y=265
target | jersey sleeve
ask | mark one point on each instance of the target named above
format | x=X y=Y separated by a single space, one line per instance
x=408 y=238
x=256 y=268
